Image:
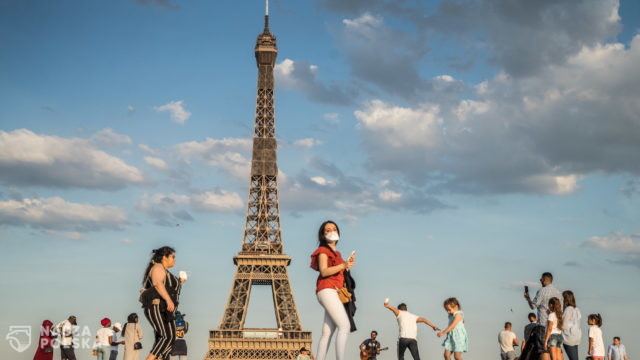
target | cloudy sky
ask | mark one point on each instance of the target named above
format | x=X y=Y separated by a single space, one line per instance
x=463 y=146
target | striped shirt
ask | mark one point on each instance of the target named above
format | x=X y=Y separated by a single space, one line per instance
x=617 y=352
x=541 y=301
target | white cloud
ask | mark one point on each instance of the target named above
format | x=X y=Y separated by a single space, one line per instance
x=126 y=241
x=321 y=181
x=626 y=246
x=345 y=194
x=401 y=126
x=57 y=214
x=217 y=201
x=307 y=142
x=540 y=134
x=366 y=24
x=616 y=242
x=284 y=71
x=147 y=150
x=332 y=118
x=389 y=195
x=108 y=137
x=230 y=155
x=179 y=114
x=303 y=77
x=29 y=159
x=156 y=162
x=71 y=235
x=169 y=209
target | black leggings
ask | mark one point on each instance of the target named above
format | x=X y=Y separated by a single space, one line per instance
x=164 y=331
x=412 y=344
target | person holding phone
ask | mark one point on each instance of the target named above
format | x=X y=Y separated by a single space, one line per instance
x=541 y=301
x=330 y=265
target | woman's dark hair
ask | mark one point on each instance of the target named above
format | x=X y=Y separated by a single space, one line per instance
x=568 y=299
x=156 y=258
x=132 y=318
x=596 y=318
x=321 y=239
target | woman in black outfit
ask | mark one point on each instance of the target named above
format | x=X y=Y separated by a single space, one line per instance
x=165 y=291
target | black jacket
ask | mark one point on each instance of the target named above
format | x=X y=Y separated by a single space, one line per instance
x=535 y=344
x=350 y=284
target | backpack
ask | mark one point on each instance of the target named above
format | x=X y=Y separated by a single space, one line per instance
x=571 y=332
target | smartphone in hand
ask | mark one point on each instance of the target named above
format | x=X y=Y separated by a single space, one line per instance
x=526 y=289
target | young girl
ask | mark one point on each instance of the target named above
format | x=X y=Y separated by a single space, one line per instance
x=596 y=344
x=456 y=340
x=553 y=336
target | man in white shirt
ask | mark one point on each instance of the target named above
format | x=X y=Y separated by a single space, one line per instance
x=617 y=351
x=541 y=301
x=113 y=355
x=507 y=340
x=65 y=330
x=408 y=326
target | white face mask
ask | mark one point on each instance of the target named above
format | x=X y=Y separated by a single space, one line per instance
x=332 y=236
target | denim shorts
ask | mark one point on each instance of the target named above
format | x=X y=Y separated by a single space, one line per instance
x=555 y=340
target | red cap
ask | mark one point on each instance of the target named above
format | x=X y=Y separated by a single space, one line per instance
x=105 y=322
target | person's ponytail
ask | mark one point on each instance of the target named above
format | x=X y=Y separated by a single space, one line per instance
x=156 y=258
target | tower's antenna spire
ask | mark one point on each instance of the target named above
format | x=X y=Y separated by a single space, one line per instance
x=266 y=18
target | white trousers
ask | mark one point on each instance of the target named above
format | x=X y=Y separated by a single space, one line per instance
x=335 y=317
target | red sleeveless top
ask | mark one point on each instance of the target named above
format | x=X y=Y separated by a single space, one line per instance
x=333 y=258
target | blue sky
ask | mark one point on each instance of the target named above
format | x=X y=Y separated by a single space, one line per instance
x=463 y=146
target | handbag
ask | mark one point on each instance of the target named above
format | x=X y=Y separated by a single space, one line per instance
x=147 y=295
x=137 y=345
x=344 y=295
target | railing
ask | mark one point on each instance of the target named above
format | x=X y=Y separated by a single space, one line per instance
x=263 y=334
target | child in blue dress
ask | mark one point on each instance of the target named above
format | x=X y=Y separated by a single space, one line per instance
x=456 y=341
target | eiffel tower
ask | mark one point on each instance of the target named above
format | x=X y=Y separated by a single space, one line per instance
x=261 y=260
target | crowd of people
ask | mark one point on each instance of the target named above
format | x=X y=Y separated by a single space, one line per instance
x=159 y=296
x=335 y=293
x=557 y=325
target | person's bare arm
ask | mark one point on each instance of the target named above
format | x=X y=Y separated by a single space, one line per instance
x=394 y=310
x=515 y=341
x=325 y=270
x=423 y=320
x=453 y=324
x=547 y=335
x=158 y=275
x=590 y=351
x=531 y=304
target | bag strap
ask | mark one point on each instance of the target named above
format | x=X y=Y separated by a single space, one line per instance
x=144 y=283
x=149 y=273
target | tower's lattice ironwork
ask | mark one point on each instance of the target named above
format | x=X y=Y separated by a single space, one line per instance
x=261 y=260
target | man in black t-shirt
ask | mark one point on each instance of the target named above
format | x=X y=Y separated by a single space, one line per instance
x=533 y=319
x=370 y=348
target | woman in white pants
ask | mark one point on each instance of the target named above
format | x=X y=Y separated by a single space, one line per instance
x=331 y=266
